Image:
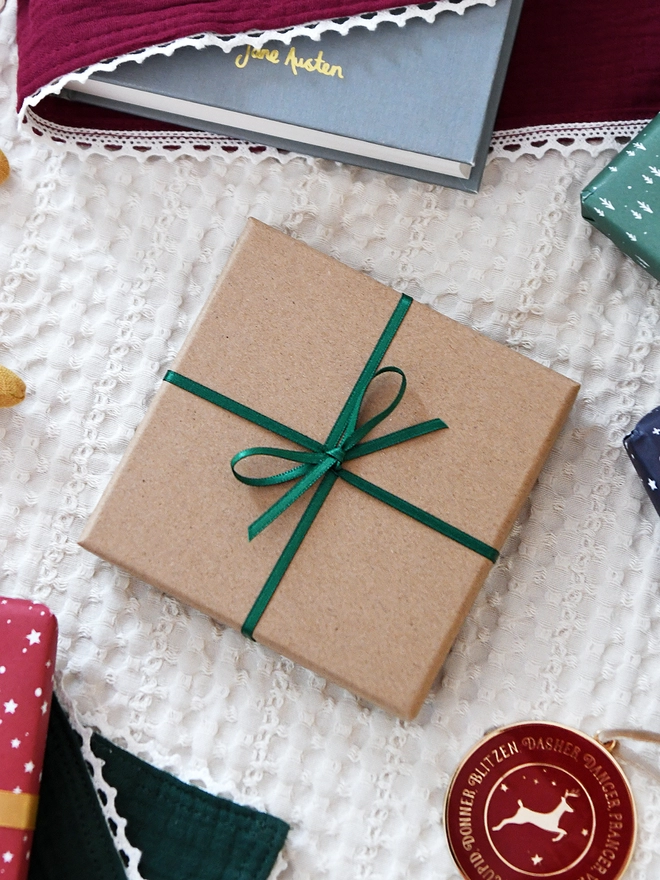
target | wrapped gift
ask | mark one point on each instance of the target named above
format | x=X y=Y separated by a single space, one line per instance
x=28 y=644
x=643 y=447
x=623 y=201
x=360 y=552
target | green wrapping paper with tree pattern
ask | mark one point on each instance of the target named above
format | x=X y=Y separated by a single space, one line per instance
x=623 y=201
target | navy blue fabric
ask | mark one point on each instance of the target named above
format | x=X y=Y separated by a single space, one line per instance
x=643 y=447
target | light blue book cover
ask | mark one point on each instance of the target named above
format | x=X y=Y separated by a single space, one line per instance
x=418 y=100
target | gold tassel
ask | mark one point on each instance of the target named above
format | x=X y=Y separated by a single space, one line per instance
x=12 y=389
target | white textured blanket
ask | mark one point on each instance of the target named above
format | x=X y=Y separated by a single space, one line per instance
x=105 y=262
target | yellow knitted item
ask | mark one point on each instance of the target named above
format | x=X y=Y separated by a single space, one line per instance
x=4 y=167
x=12 y=389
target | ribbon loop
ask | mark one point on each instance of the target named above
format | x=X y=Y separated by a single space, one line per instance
x=307 y=459
x=357 y=434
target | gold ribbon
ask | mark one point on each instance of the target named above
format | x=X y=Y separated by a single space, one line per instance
x=18 y=810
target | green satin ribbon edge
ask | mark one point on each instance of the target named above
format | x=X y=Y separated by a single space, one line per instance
x=328 y=472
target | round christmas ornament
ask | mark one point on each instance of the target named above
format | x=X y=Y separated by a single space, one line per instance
x=539 y=799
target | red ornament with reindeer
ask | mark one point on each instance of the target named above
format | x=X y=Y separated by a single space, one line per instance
x=540 y=800
x=28 y=643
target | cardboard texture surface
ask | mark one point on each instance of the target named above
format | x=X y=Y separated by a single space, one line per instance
x=372 y=599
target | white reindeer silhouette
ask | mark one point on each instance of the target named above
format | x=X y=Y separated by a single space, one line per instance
x=545 y=821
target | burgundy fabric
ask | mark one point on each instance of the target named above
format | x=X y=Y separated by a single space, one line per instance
x=583 y=61
x=75 y=114
x=573 y=60
x=55 y=38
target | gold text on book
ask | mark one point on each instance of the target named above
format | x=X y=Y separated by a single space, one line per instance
x=292 y=60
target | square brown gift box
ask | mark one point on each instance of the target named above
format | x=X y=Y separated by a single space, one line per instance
x=372 y=598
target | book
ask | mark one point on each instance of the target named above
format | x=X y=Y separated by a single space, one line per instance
x=418 y=101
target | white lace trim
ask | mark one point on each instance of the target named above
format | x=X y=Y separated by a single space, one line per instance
x=593 y=137
x=370 y=20
x=116 y=823
x=143 y=144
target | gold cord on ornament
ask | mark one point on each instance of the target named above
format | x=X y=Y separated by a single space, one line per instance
x=610 y=740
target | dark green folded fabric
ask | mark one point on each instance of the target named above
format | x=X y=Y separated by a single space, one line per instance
x=183 y=833
x=71 y=837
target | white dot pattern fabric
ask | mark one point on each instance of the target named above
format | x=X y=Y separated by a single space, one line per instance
x=105 y=263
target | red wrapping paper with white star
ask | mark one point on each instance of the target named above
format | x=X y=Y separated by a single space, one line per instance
x=28 y=644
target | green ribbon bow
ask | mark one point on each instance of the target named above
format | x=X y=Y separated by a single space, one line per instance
x=324 y=461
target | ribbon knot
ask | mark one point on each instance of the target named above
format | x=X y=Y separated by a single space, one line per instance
x=323 y=462
x=337 y=454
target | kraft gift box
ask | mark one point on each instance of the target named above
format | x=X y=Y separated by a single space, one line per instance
x=623 y=200
x=365 y=587
x=28 y=646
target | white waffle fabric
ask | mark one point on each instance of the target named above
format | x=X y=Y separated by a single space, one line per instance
x=105 y=263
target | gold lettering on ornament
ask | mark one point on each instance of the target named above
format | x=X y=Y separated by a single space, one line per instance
x=551 y=744
x=293 y=61
x=465 y=818
x=606 y=858
x=492 y=759
x=482 y=867
x=602 y=777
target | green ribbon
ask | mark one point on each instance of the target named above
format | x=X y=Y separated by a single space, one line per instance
x=323 y=462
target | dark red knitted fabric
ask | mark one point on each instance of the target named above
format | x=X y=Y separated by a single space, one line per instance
x=583 y=61
x=55 y=38
x=73 y=114
x=573 y=61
